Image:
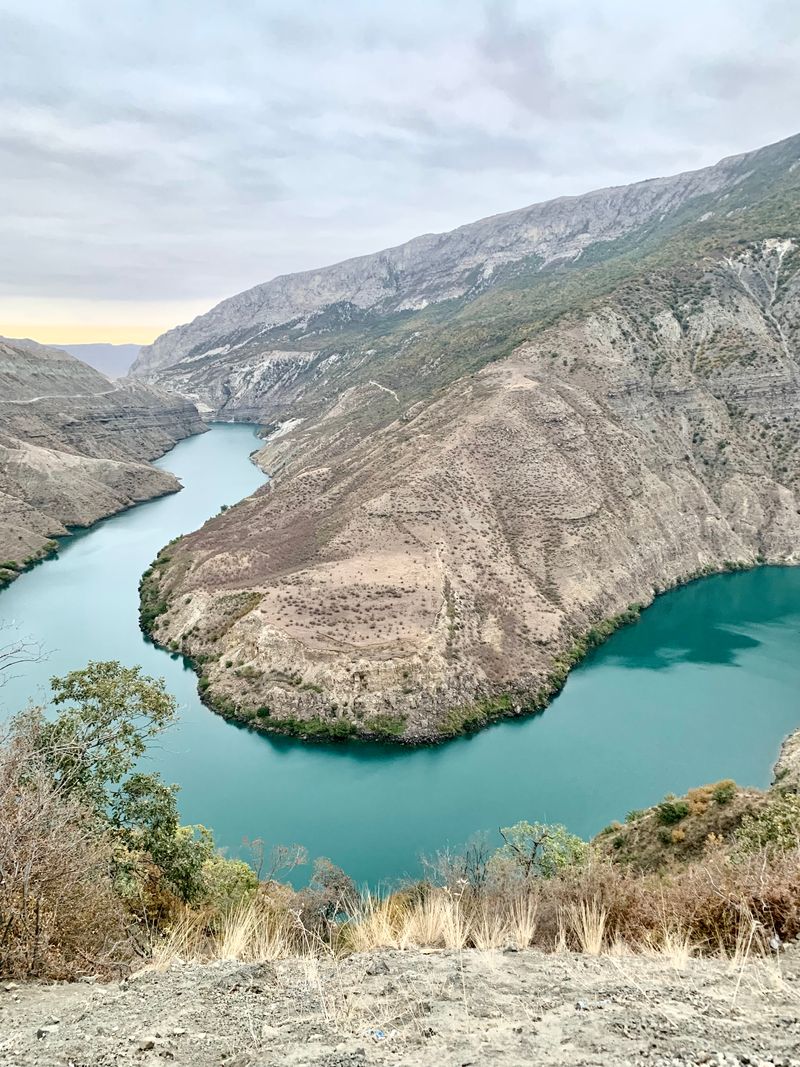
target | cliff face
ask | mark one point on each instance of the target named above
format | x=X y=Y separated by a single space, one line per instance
x=474 y=487
x=74 y=447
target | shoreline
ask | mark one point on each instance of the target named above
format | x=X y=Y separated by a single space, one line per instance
x=504 y=705
x=54 y=544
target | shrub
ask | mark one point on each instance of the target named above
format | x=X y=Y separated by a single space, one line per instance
x=671 y=811
x=227 y=883
x=58 y=908
x=388 y=726
x=541 y=849
x=775 y=827
x=724 y=791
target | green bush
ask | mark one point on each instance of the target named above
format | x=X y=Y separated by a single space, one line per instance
x=541 y=849
x=671 y=811
x=724 y=792
x=227 y=883
x=387 y=726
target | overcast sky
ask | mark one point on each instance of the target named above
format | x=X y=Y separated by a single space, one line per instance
x=159 y=155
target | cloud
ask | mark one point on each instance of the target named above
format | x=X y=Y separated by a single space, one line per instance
x=181 y=152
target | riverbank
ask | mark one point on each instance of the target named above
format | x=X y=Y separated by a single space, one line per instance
x=389 y=728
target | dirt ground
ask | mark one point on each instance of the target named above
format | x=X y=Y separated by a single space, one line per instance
x=444 y=1009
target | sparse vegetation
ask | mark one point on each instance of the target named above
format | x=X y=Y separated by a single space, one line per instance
x=93 y=861
x=95 y=869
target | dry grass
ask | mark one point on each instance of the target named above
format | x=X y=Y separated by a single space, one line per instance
x=587 y=921
x=723 y=909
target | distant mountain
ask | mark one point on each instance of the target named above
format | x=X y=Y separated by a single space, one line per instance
x=494 y=442
x=112 y=360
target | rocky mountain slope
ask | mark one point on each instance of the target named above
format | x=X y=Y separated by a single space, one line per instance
x=480 y=490
x=415 y=317
x=74 y=447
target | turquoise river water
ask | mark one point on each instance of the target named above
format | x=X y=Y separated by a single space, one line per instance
x=704 y=687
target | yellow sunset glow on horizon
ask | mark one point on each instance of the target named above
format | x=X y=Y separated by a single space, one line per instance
x=77 y=334
x=74 y=322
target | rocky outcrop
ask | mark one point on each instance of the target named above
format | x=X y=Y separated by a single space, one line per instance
x=787 y=769
x=74 y=447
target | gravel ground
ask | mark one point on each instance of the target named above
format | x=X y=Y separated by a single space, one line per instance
x=446 y=1009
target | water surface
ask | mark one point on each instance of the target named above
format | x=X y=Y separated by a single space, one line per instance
x=704 y=687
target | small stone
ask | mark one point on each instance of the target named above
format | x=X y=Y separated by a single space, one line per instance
x=377 y=967
x=47 y=1028
x=581 y=1005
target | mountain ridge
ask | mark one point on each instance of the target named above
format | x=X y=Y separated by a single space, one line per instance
x=252 y=306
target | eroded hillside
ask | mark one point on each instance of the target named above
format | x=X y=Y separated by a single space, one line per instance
x=444 y=561
x=74 y=446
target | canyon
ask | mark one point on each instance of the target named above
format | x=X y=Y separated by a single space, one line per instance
x=74 y=447
x=488 y=449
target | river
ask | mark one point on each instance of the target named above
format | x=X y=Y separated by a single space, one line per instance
x=704 y=687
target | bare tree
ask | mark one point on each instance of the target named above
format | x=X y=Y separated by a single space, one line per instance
x=15 y=650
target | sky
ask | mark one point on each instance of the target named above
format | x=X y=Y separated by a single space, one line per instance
x=157 y=156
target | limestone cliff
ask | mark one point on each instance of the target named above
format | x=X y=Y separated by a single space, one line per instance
x=74 y=447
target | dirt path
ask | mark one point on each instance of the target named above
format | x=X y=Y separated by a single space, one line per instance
x=444 y=1009
x=63 y=396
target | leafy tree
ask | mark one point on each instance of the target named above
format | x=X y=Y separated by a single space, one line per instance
x=541 y=849
x=144 y=814
x=108 y=715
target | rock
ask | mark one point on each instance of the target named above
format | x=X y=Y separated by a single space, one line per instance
x=377 y=966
